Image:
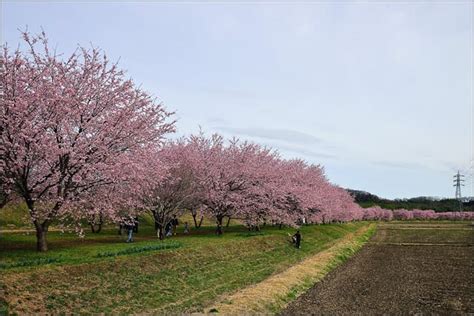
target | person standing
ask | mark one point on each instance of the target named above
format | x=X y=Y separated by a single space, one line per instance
x=175 y=224
x=135 y=225
x=219 y=229
x=130 y=226
x=297 y=239
x=186 y=228
x=168 y=229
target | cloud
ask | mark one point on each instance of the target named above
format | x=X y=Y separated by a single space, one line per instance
x=306 y=152
x=433 y=165
x=231 y=93
x=215 y=120
x=287 y=142
x=285 y=135
x=401 y=164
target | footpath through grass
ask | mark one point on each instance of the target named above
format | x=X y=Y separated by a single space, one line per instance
x=187 y=275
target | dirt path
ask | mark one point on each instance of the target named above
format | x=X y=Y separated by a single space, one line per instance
x=403 y=270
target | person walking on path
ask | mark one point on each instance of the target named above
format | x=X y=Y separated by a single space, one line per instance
x=297 y=239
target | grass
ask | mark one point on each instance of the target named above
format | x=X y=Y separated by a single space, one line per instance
x=272 y=294
x=149 y=275
x=14 y=216
x=28 y=263
x=131 y=250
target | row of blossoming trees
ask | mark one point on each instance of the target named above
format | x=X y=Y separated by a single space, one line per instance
x=79 y=141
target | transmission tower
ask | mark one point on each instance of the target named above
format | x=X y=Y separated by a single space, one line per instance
x=458 y=183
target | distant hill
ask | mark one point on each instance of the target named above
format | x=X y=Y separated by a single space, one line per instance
x=366 y=199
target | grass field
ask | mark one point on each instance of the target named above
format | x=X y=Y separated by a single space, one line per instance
x=102 y=273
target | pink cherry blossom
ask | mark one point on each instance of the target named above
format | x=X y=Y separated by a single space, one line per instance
x=71 y=127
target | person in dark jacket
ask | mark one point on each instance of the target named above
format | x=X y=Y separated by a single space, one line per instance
x=168 y=231
x=135 y=226
x=175 y=224
x=297 y=239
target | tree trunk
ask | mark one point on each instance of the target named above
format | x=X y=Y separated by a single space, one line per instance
x=41 y=243
x=96 y=221
x=194 y=218
x=280 y=226
x=158 y=226
x=219 y=225
x=99 y=228
x=228 y=222
x=160 y=233
x=194 y=214
x=41 y=228
x=3 y=199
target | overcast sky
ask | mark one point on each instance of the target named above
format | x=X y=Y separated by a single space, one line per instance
x=380 y=94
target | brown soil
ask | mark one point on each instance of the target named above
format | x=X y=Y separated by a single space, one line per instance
x=403 y=270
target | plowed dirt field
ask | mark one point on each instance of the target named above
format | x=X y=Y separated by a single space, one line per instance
x=406 y=268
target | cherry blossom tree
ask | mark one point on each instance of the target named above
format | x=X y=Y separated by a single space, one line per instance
x=299 y=187
x=69 y=127
x=466 y=216
x=339 y=205
x=311 y=198
x=402 y=214
x=377 y=213
x=423 y=214
x=177 y=191
x=123 y=200
x=255 y=184
x=232 y=177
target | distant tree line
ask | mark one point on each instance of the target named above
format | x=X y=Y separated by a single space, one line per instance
x=366 y=199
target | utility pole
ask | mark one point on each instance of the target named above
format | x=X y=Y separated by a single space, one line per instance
x=458 y=182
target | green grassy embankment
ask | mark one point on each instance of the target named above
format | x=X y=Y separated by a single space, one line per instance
x=185 y=274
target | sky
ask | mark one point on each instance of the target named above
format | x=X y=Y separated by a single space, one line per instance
x=380 y=94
